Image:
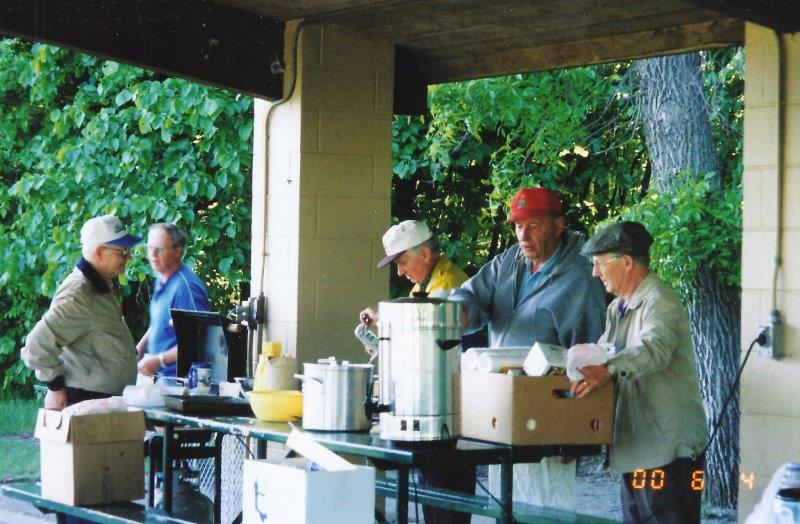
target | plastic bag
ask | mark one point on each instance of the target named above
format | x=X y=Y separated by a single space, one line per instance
x=548 y=484
x=764 y=512
x=581 y=355
x=144 y=395
x=97 y=406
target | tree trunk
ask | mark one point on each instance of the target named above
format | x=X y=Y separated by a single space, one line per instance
x=679 y=139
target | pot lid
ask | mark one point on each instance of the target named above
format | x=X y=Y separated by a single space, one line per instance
x=331 y=363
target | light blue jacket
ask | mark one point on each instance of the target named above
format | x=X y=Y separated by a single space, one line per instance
x=566 y=308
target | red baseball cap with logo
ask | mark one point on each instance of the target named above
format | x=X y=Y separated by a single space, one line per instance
x=531 y=202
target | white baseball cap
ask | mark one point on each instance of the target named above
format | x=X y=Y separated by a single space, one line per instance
x=403 y=236
x=107 y=229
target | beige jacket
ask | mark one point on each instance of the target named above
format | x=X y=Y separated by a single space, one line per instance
x=83 y=337
x=659 y=411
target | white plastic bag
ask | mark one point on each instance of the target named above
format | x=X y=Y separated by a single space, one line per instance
x=764 y=512
x=144 y=395
x=581 y=355
x=548 y=484
x=98 y=406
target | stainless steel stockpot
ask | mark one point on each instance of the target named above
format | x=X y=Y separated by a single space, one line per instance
x=419 y=351
x=335 y=395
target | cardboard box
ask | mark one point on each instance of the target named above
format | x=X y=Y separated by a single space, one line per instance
x=284 y=493
x=524 y=410
x=91 y=459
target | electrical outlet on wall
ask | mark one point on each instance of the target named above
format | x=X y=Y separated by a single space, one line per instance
x=773 y=347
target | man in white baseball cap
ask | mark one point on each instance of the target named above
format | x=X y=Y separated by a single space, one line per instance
x=415 y=251
x=82 y=348
x=107 y=229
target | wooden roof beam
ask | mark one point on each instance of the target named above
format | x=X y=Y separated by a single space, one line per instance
x=780 y=15
x=201 y=41
x=671 y=40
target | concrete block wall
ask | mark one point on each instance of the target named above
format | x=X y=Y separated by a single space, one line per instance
x=770 y=389
x=327 y=194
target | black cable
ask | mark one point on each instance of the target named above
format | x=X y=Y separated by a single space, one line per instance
x=247 y=449
x=502 y=508
x=416 y=495
x=761 y=339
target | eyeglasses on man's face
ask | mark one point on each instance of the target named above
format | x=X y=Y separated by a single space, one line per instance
x=124 y=253
x=601 y=264
x=157 y=250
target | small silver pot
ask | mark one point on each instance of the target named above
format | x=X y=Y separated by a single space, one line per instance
x=335 y=395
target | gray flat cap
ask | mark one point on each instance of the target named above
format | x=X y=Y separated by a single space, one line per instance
x=627 y=238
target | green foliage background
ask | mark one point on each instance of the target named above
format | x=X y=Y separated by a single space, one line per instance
x=576 y=131
x=81 y=137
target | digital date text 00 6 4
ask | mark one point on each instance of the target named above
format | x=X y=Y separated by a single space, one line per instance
x=656 y=478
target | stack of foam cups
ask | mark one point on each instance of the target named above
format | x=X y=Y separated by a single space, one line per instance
x=501 y=360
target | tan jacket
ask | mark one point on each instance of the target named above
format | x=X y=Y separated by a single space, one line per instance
x=659 y=411
x=83 y=337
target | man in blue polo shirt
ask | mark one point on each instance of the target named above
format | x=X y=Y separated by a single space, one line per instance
x=177 y=287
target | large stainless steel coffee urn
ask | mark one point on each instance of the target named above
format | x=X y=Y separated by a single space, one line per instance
x=419 y=351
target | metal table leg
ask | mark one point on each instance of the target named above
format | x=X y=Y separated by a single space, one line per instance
x=402 y=494
x=506 y=490
x=261 y=449
x=151 y=473
x=166 y=467
x=218 y=478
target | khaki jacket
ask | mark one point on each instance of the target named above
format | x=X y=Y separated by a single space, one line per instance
x=84 y=338
x=659 y=413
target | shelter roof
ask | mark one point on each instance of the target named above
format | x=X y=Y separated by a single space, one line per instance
x=237 y=44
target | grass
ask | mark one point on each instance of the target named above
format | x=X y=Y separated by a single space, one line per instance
x=19 y=459
x=19 y=452
x=18 y=417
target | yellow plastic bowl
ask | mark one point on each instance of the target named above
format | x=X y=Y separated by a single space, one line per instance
x=277 y=405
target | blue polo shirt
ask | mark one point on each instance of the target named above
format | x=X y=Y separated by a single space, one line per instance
x=182 y=290
x=531 y=281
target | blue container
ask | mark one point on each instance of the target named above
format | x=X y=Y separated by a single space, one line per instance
x=200 y=375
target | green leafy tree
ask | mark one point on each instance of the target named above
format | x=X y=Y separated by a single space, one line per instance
x=571 y=130
x=702 y=202
x=81 y=137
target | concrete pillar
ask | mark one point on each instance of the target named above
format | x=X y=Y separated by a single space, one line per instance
x=327 y=193
x=770 y=388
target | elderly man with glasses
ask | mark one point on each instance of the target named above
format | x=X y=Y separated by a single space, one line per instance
x=82 y=347
x=177 y=287
x=659 y=423
x=539 y=290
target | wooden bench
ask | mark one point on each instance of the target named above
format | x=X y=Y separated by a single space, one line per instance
x=483 y=505
x=117 y=513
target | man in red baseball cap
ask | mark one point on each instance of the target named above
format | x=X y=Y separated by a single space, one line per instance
x=533 y=201
x=540 y=290
x=536 y=215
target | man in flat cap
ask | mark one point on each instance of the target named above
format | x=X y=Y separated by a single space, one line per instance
x=82 y=348
x=540 y=290
x=659 y=422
